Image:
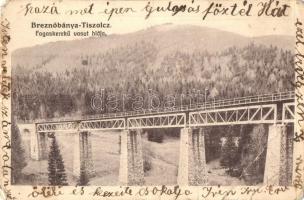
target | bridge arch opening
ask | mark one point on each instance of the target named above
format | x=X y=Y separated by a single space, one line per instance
x=161 y=148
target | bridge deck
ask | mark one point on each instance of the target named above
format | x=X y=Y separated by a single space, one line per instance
x=209 y=105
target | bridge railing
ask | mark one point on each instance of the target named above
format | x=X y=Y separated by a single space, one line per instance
x=250 y=100
x=201 y=106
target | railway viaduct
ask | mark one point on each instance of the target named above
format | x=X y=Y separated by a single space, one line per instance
x=276 y=110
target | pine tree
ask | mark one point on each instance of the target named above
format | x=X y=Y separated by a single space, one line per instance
x=18 y=158
x=56 y=169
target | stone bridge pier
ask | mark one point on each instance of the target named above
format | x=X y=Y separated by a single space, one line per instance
x=278 y=166
x=43 y=145
x=39 y=145
x=192 y=161
x=30 y=129
x=34 y=144
x=131 y=171
x=82 y=159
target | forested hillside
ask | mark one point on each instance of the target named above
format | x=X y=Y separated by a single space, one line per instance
x=60 y=79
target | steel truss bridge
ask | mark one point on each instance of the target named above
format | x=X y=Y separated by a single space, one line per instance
x=260 y=109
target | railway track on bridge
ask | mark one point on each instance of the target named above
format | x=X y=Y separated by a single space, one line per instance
x=245 y=110
x=209 y=105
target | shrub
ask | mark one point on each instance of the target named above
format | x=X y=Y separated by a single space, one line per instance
x=147 y=165
x=156 y=136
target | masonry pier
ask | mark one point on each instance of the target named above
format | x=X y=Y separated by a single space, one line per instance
x=34 y=148
x=192 y=161
x=131 y=171
x=82 y=159
x=43 y=145
x=279 y=151
x=39 y=145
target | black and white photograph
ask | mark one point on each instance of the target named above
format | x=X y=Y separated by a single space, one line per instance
x=199 y=97
x=165 y=105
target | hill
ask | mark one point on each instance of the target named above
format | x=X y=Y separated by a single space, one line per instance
x=166 y=39
x=64 y=76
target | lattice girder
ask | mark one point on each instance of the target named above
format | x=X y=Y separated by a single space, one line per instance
x=253 y=114
x=238 y=115
x=157 y=121
x=106 y=124
x=288 y=115
x=57 y=126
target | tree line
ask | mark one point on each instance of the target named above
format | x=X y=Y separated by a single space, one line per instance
x=136 y=70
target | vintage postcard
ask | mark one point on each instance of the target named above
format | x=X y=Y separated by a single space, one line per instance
x=170 y=99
